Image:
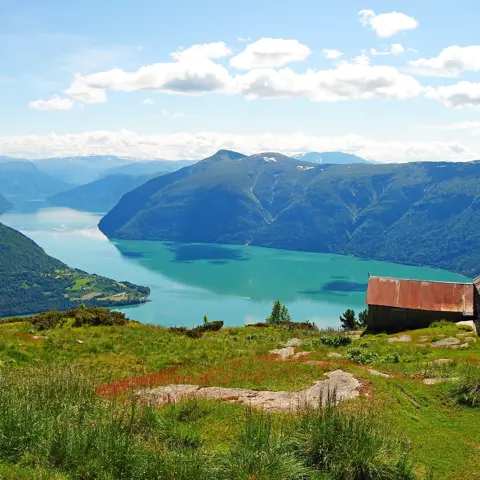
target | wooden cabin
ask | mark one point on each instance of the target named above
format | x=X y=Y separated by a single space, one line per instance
x=396 y=304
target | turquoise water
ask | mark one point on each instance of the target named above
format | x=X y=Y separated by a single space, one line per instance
x=237 y=284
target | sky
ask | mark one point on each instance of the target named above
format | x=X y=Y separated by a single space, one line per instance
x=386 y=80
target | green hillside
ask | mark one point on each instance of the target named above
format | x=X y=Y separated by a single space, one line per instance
x=32 y=281
x=150 y=167
x=100 y=195
x=24 y=179
x=416 y=213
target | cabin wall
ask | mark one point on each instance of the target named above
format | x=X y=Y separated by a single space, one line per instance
x=393 y=319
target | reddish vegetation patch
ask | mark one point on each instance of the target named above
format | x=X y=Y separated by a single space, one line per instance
x=254 y=371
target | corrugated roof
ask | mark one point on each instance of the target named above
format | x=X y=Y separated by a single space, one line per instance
x=420 y=295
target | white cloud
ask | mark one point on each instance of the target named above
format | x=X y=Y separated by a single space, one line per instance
x=244 y=39
x=452 y=59
x=387 y=24
x=469 y=126
x=394 y=49
x=202 y=144
x=331 y=54
x=346 y=82
x=54 y=103
x=147 y=101
x=270 y=53
x=462 y=94
x=205 y=50
x=81 y=90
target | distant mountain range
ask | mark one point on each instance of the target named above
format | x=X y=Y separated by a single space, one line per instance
x=416 y=213
x=100 y=195
x=4 y=204
x=150 y=167
x=23 y=178
x=32 y=282
x=338 y=158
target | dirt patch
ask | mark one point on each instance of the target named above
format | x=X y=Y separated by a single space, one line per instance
x=340 y=386
x=402 y=338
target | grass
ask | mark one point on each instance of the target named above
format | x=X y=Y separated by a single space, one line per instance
x=442 y=430
x=79 y=284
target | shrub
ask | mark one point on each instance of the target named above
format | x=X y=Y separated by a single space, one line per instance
x=467 y=389
x=361 y=355
x=94 y=316
x=197 y=332
x=335 y=340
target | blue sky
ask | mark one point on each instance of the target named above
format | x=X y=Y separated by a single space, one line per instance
x=392 y=81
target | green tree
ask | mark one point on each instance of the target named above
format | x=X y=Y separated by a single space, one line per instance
x=276 y=315
x=205 y=319
x=348 y=320
x=285 y=315
x=362 y=318
x=279 y=314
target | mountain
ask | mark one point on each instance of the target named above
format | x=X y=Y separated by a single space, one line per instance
x=100 y=195
x=31 y=281
x=150 y=167
x=339 y=158
x=416 y=213
x=4 y=204
x=80 y=170
x=24 y=179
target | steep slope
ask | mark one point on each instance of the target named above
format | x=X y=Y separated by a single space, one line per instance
x=4 y=204
x=80 y=170
x=150 y=167
x=100 y=195
x=338 y=158
x=24 y=179
x=31 y=281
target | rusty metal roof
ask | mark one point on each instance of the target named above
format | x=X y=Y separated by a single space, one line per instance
x=420 y=295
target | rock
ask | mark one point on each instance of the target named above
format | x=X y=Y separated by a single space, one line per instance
x=377 y=373
x=468 y=323
x=294 y=342
x=79 y=341
x=283 y=353
x=423 y=339
x=445 y=342
x=440 y=361
x=461 y=335
x=434 y=381
x=299 y=355
x=470 y=339
x=402 y=338
x=39 y=337
x=340 y=386
x=464 y=345
x=334 y=355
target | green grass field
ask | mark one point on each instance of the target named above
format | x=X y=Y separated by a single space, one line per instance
x=81 y=379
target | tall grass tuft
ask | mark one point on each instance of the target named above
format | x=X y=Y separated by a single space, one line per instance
x=261 y=455
x=350 y=445
x=466 y=390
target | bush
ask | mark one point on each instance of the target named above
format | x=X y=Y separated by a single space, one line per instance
x=197 y=332
x=335 y=340
x=467 y=389
x=94 y=316
x=361 y=355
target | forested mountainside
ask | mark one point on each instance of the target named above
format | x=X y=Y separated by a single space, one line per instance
x=150 y=167
x=100 y=195
x=24 y=179
x=32 y=281
x=415 y=213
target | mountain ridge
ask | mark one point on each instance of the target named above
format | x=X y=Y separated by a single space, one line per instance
x=415 y=213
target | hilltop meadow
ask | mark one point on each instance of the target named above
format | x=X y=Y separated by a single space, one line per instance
x=82 y=410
